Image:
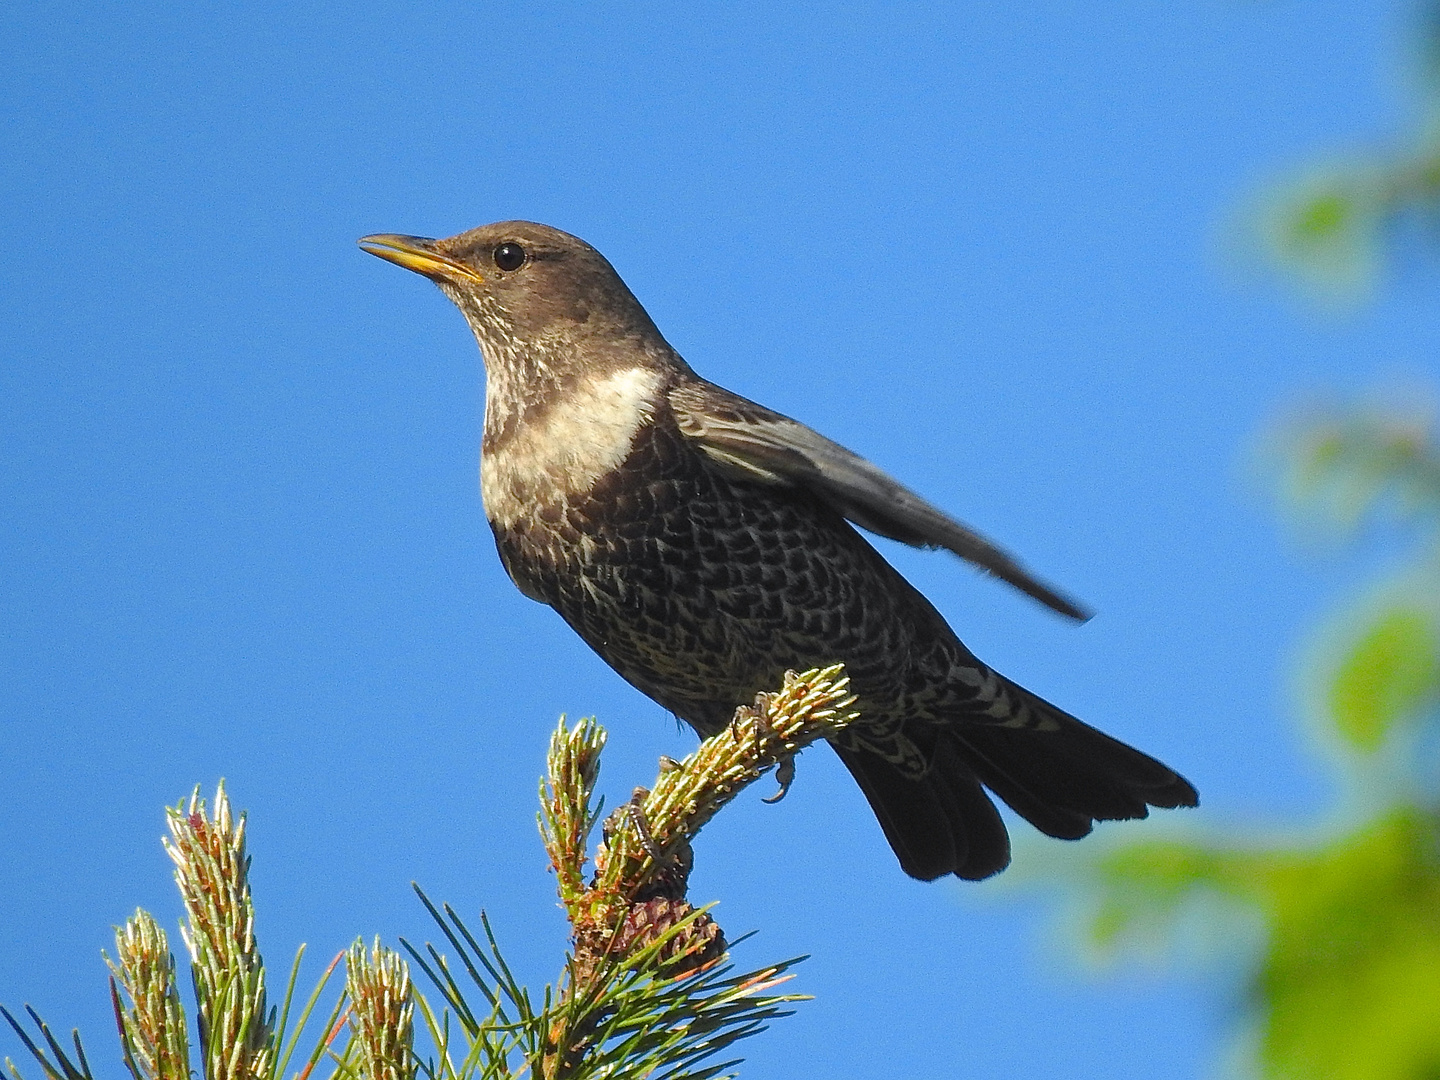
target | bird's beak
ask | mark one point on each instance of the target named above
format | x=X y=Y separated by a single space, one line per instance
x=418 y=253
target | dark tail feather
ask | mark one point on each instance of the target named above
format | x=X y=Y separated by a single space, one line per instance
x=1059 y=774
x=941 y=824
x=1063 y=775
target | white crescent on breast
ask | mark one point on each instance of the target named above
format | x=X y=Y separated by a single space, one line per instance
x=564 y=451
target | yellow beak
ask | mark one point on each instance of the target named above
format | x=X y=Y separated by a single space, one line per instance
x=418 y=253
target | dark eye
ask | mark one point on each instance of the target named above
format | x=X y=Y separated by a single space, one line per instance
x=509 y=256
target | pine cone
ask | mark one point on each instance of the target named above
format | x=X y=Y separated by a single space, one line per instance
x=702 y=942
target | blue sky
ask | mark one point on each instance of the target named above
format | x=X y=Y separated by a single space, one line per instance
x=991 y=247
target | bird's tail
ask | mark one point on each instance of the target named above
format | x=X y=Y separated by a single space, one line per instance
x=1058 y=773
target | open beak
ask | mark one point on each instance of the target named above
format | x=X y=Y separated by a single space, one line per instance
x=418 y=253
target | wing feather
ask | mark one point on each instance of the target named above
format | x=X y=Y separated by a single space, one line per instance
x=751 y=442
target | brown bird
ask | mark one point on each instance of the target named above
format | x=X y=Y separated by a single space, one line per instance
x=703 y=544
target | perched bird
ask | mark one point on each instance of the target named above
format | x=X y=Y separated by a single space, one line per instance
x=703 y=544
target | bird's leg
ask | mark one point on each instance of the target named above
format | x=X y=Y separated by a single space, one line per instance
x=756 y=735
x=636 y=809
x=671 y=872
x=763 y=729
x=765 y=732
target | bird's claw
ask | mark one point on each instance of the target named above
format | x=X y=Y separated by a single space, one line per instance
x=785 y=775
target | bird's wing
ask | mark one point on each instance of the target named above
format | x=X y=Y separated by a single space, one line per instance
x=751 y=442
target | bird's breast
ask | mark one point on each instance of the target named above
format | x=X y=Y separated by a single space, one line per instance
x=560 y=453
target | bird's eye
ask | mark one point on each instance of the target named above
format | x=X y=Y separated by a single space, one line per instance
x=509 y=256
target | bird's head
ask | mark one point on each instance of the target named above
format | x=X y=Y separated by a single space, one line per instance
x=532 y=294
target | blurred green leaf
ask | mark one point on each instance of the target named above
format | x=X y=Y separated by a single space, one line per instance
x=1388 y=675
x=1327 y=229
x=1335 y=228
x=1321 y=219
x=1145 y=889
x=1344 y=983
x=1350 y=975
x=1344 y=463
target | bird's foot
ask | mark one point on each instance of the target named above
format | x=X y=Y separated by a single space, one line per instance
x=635 y=808
x=670 y=872
x=760 y=713
x=785 y=775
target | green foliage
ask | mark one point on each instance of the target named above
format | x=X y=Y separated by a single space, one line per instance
x=1352 y=971
x=645 y=990
x=240 y=1038
x=636 y=1021
x=1345 y=467
x=1330 y=229
x=1388 y=675
x=1346 y=981
x=1346 y=985
x=153 y=1036
x=1327 y=228
x=1342 y=465
x=382 y=1012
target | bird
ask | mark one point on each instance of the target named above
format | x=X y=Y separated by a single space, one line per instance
x=703 y=544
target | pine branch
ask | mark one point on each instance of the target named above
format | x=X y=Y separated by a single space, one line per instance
x=382 y=1012
x=58 y=1068
x=633 y=920
x=644 y=993
x=646 y=852
x=212 y=871
x=239 y=1039
x=153 y=1038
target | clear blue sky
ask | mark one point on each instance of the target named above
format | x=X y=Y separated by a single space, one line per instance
x=983 y=244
